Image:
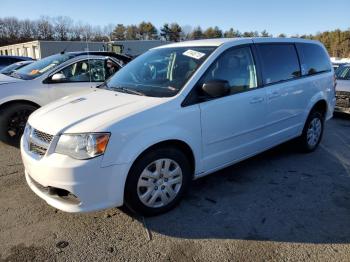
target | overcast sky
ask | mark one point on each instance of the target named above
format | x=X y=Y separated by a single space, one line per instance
x=276 y=16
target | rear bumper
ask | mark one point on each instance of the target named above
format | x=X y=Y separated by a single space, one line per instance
x=94 y=187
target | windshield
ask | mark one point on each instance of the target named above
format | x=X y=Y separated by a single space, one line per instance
x=160 y=72
x=9 y=69
x=40 y=67
x=343 y=73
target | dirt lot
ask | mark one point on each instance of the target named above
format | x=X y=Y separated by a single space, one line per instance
x=278 y=206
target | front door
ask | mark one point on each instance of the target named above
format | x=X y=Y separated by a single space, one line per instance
x=78 y=76
x=233 y=125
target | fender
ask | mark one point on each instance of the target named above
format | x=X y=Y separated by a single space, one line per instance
x=21 y=98
x=313 y=101
x=135 y=144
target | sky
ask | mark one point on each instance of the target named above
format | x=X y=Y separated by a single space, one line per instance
x=276 y=16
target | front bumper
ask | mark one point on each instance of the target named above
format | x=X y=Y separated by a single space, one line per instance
x=342 y=102
x=94 y=187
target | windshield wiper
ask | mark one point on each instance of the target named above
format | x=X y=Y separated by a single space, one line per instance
x=127 y=90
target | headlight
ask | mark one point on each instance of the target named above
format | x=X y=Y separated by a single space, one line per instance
x=82 y=146
x=27 y=131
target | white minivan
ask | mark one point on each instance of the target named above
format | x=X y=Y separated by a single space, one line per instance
x=176 y=113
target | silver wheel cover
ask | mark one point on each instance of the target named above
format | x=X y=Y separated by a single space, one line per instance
x=159 y=183
x=314 y=132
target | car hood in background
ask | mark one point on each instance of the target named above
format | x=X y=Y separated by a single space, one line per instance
x=4 y=79
x=88 y=111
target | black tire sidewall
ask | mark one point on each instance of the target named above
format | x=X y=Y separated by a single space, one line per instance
x=132 y=200
x=5 y=116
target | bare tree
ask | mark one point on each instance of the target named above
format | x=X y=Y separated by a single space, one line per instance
x=27 y=30
x=108 y=30
x=62 y=26
x=45 y=28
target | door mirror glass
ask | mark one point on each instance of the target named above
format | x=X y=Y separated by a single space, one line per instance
x=216 y=88
x=58 y=77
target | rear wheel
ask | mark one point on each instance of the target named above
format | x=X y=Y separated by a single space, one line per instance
x=13 y=119
x=157 y=181
x=312 y=132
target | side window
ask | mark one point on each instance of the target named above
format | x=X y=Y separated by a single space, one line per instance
x=85 y=71
x=236 y=66
x=313 y=59
x=111 y=68
x=279 y=62
x=97 y=70
x=343 y=73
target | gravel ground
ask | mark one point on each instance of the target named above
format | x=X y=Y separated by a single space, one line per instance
x=278 y=206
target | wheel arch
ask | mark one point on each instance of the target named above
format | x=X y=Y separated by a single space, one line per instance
x=18 y=101
x=175 y=143
x=321 y=106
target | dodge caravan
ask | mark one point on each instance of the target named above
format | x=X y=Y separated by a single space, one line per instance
x=176 y=113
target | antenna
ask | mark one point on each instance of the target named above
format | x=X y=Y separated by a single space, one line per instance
x=65 y=48
x=88 y=55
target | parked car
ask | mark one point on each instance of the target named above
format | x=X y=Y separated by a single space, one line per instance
x=6 y=60
x=176 y=113
x=41 y=82
x=8 y=70
x=343 y=89
x=337 y=65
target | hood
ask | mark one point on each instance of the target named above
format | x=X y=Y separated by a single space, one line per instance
x=4 y=79
x=89 y=111
x=343 y=85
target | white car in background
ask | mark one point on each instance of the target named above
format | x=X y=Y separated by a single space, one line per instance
x=8 y=70
x=176 y=113
x=46 y=80
x=343 y=89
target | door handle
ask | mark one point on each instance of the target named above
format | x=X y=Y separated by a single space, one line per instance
x=274 y=95
x=256 y=100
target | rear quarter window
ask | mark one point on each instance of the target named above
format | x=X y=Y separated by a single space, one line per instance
x=313 y=59
x=279 y=62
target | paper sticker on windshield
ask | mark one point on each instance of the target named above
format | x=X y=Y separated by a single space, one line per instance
x=193 y=54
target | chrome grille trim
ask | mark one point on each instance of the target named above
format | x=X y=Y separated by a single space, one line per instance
x=39 y=142
x=37 y=149
x=42 y=136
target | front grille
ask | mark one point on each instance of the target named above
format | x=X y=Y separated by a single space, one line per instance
x=39 y=142
x=36 y=149
x=343 y=99
x=42 y=136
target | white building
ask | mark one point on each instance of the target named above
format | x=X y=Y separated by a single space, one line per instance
x=40 y=49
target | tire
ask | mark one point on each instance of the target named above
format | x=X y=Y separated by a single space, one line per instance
x=312 y=132
x=147 y=181
x=13 y=119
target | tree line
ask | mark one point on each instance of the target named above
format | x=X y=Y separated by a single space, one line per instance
x=13 y=30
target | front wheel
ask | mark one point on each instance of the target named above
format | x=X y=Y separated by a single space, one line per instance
x=312 y=132
x=13 y=119
x=157 y=181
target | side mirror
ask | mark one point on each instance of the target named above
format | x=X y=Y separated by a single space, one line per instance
x=216 y=88
x=58 y=77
